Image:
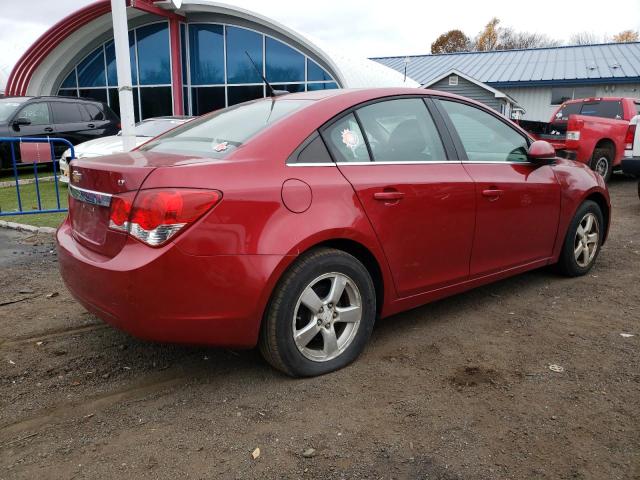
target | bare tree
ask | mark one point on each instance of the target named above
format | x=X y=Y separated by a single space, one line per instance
x=509 y=39
x=451 y=41
x=585 y=38
x=627 y=36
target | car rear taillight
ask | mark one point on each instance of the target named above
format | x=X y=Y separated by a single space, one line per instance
x=574 y=126
x=154 y=216
x=628 y=138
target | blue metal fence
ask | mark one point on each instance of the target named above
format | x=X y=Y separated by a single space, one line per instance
x=16 y=173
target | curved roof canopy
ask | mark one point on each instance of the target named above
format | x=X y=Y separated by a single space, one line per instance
x=42 y=64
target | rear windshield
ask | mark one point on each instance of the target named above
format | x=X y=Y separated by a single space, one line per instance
x=603 y=109
x=8 y=106
x=217 y=134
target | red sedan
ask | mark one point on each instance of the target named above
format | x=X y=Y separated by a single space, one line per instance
x=295 y=222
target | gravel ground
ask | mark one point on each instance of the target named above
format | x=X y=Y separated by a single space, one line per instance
x=459 y=389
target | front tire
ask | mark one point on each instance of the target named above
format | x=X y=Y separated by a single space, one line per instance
x=320 y=316
x=583 y=240
x=602 y=163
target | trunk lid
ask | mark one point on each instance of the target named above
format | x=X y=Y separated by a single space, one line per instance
x=93 y=182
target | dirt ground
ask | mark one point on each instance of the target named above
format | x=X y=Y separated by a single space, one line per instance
x=459 y=389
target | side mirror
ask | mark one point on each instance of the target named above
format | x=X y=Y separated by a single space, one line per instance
x=541 y=152
x=18 y=122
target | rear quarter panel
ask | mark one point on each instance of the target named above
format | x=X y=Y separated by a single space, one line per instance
x=595 y=130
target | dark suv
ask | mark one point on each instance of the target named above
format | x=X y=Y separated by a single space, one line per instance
x=75 y=119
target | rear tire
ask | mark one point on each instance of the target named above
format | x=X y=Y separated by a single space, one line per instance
x=583 y=240
x=320 y=316
x=602 y=163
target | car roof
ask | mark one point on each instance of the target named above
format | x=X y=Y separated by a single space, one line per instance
x=56 y=98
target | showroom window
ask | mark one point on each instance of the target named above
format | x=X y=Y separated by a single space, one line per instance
x=220 y=73
x=96 y=75
x=216 y=70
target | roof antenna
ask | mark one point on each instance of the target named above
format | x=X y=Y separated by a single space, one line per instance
x=272 y=91
x=407 y=60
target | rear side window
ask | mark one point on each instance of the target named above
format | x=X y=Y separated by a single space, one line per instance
x=218 y=134
x=345 y=140
x=64 y=112
x=486 y=138
x=313 y=151
x=604 y=109
x=94 y=112
x=38 y=113
x=401 y=131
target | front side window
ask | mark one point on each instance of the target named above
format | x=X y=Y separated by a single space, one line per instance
x=345 y=140
x=485 y=138
x=218 y=134
x=401 y=131
x=37 y=113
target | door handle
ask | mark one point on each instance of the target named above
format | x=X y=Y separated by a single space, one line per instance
x=388 y=196
x=492 y=193
x=91 y=125
x=48 y=129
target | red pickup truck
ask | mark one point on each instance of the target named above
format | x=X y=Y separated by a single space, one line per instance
x=589 y=130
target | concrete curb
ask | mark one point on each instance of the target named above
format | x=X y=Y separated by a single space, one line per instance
x=27 y=228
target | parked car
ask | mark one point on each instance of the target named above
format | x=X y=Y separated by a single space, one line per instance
x=145 y=130
x=589 y=130
x=631 y=160
x=75 y=119
x=295 y=222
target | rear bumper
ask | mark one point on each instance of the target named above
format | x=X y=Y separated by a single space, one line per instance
x=166 y=295
x=631 y=165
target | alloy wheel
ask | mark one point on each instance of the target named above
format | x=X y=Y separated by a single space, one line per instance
x=586 y=241
x=327 y=317
x=602 y=166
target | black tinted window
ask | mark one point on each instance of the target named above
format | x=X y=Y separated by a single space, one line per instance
x=94 y=112
x=605 y=109
x=566 y=110
x=66 y=112
x=401 y=131
x=314 y=152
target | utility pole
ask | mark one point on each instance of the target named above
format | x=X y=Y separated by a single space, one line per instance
x=123 y=65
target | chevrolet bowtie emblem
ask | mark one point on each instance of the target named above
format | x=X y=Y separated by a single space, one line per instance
x=76 y=176
x=121 y=182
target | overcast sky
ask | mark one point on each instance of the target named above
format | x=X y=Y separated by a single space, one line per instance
x=365 y=27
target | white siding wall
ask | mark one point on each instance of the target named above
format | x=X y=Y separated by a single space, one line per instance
x=537 y=100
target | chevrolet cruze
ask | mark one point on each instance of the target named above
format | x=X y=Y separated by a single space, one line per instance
x=294 y=222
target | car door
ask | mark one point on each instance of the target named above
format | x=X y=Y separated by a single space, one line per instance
x=420 y=204
x=39 y=118
x=97 y=122
x=71 y=123
x=518 y=202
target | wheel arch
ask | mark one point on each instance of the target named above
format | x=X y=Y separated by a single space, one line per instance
x=608 y=144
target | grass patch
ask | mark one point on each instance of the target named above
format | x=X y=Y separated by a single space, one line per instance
x=26 y=171
x=9 y=203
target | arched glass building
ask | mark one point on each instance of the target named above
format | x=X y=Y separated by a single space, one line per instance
x=200 y=58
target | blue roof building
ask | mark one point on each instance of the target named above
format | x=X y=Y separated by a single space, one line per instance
x=537 y=80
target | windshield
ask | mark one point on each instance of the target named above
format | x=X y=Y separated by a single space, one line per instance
x=153 y=128
x=8 y=106
x=217 y=134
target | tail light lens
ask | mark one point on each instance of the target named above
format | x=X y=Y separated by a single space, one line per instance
x=156 y=215
x=573 y=128
x=629 y=137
